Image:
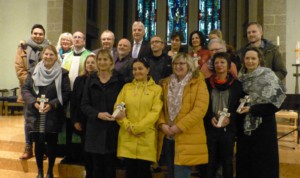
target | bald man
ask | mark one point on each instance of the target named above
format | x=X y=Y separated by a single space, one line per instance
x=123 y=63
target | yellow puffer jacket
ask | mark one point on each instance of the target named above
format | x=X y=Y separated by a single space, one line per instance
x=143 y=107
x=190 y=145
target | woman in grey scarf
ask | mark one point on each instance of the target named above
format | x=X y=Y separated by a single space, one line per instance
x=45 y=118
x=257 y=147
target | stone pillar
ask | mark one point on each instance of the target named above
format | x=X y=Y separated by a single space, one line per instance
x=241 y=24
x=54 y=20
x=161 y=23
x=193 y=21
x=291 y=38
x=79 y=15
x=59 y=18
x=274 y=13
x=67 y=16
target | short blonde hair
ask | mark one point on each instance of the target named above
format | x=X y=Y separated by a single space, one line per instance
x=67 y=35
x=216 y=32
x=189 y=61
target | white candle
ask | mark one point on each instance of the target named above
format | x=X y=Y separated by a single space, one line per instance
x=278 y=41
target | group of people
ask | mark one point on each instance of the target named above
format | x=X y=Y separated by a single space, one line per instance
x=184 y=108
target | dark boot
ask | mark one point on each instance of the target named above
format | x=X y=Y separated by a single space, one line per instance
x=40 y=174
x=49 y=175
x=27 y=152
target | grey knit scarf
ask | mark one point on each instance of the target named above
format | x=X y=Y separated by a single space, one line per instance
x=44 y=77
x=34 y=50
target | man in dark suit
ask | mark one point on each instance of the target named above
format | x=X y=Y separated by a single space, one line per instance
x=140 y=47
x=107 y=40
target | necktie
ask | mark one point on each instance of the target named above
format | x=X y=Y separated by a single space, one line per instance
x=135 y=52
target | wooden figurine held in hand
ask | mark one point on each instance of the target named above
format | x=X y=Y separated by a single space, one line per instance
x=42 y=100
x=120 y=107
x=222 y=115
x=243 y=101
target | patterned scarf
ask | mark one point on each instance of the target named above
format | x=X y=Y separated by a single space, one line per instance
x=263 y=86
x=175 y=91
x=44 y=77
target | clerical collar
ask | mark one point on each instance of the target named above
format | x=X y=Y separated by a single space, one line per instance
x=78 y=53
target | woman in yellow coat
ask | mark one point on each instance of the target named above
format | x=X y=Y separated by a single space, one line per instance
x=185 y=98
x=137 y=141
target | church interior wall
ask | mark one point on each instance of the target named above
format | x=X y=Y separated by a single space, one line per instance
x=16 y=20
x=279 y=18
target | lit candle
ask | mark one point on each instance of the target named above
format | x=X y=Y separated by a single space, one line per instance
x=278 y=41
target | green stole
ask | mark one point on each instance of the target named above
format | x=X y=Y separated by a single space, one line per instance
x=68 y=61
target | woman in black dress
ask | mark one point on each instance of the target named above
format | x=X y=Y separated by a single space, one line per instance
x=257 y=146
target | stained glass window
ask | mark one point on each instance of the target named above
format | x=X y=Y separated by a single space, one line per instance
x=177 y=18
x=209 y=15
x=146 y=13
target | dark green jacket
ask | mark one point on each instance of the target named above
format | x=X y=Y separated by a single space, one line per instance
x=272 y=58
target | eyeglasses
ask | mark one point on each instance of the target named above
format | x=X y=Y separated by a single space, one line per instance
x=216 y=50
x=155 y=42
x=79 y=37
x=179 y=63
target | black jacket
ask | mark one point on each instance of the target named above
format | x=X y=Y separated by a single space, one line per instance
x=126 y=68
x=101 y=136
x=145 y=49
x=76 y=96
x=272 y=58
x=236 y=93
x=160 y=67
x=55 y=117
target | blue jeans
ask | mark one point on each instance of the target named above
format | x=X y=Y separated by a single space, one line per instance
x=174 y=171
x=182 y=171
x=26 y=129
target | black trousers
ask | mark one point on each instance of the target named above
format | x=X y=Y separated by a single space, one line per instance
x=103 y=165
x=74 y=151
x=136 y=168
x=41 y=148
x=220 y=150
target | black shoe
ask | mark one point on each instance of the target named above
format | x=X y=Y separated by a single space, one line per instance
x=49 y=175
x=40 y=175
x=66 y=160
